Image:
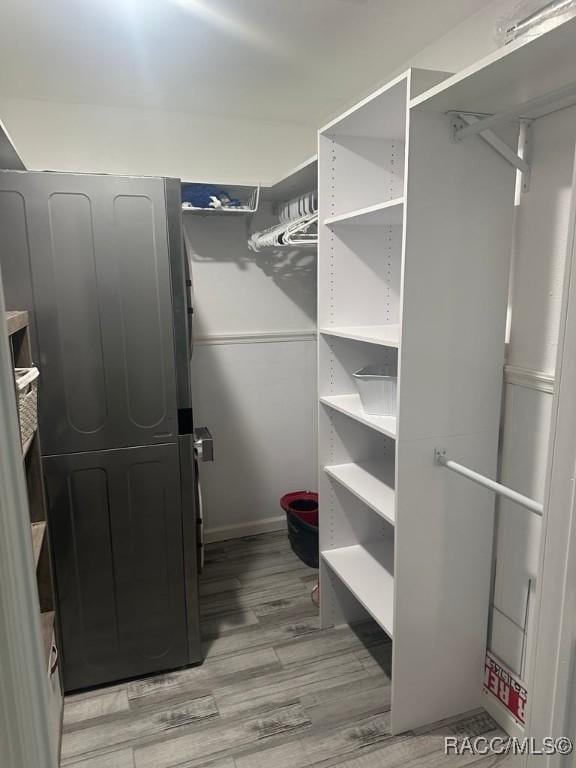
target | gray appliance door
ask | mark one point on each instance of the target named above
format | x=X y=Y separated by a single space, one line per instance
x=89 y=255
x=116 y=533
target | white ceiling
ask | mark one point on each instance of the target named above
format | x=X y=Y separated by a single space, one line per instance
x=297 y=60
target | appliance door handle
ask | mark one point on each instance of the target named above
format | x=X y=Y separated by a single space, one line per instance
x=190 y=312
x=189 y=299
x=200 y=523
x=203 y=444
x=53 y=665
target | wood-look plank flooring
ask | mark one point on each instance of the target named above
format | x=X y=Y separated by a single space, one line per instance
x=274 y=691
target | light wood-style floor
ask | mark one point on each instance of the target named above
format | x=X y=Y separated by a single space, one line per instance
x=275 y=691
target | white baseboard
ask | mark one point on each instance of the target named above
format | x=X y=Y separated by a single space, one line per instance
x=251 y=528
x=256 y=337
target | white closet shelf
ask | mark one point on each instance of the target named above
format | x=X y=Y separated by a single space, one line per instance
x=381 y=115
x=515 y=74
x=389 y=213
x=298 y=181
x=351 y=406
x=248 y=195
x=368 y=572
x=386 y=335
x=372 y=482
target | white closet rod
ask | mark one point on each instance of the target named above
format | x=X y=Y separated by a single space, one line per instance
x=549 y=11
x=502 y=490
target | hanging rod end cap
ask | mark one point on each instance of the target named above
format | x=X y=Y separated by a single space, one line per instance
x=439 y=456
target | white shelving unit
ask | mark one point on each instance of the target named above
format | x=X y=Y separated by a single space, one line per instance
x=368 y=572
x=413 y=272
x=389 y=212
x=386 y=335
x=370 y=481
x=351 y=406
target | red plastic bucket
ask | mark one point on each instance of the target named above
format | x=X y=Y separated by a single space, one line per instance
x=301 y=509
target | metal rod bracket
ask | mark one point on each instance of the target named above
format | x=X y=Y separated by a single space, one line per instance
x=464 y=124
x=525 y=150
x=439 y=456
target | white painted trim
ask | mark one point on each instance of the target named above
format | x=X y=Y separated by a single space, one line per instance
x=543 y=381
x=255 y=337
x=251 y=528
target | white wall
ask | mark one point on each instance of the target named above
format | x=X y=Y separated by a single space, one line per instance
x=86 y=138
x=539 y=256
x=257 y=398
x=471 y=40
x=466 y=43
x=254 y=371
x=238 y=290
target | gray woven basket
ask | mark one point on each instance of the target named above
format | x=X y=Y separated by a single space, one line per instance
x=27 y=389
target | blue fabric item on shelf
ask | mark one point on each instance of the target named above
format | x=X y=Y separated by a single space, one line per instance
x=208 y=196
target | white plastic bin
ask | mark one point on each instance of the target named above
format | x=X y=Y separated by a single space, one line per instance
x=377 y=389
